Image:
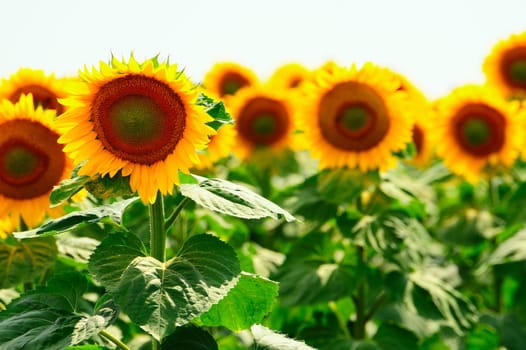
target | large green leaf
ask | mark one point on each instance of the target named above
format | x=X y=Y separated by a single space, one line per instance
x=51 y=317
x=189 y=338
x=112 y=257
x=75 y=247
x=26 y=259
x=228 y=198
x=112 y=212
x=267 y=339
x=392 y=337
x=245 y=305
x=162 y=296
x=511 y=250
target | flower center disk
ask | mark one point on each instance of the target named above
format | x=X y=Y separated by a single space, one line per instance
x=31 y=160
x=479 y=129
x=513 y=67
x=353 y=117
x=138 y=118
x=263 y=121
x=231 y=83
x=41 y=97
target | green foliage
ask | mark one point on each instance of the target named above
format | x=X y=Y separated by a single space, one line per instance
x=189 y=338
x=215 y=109
x=66 y=189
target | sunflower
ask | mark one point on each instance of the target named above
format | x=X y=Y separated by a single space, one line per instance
x=505 y=66
x=46 y=89
x=31 y=160
x=136 y=119
x=226 y=78
x=355 y=117
x=220 y=146
x=289 y=76
x=263 y=120
x=6 y=227
x=475 y=128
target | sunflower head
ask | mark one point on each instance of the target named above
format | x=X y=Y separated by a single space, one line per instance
x=505 y=66
x=137 y=119
x=263 y=120
x=219 y=147
x=355 y=118
x=475 y=129
x=226 y=78
x=31 y=160
x=45 y=88
x=289 y=76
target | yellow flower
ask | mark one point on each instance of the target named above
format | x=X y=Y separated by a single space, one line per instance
x=289 y=76
x=263 y=119
x=355 y=117
x=220 y=146
x=46 y=89
x=474 y=128
x=505 y=66
x=31 y=160
x=226 y=78
x=137 y=119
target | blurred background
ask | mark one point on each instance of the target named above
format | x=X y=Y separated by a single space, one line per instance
x=436 y=44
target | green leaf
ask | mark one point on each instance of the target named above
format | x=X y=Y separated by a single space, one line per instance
x=51 y=317
x=112 y=257
x=511 y=250
x=483 y=337
x=189 y=338
x=228 y=198
x=341 y=185
x=162 y=296
x=215 y=109
x=66 y=189
x=267 y=339
x=392 y=337
x=512 y=332
x=77 y=248
x=25 y=260
x=113 y=212
x=245 y=304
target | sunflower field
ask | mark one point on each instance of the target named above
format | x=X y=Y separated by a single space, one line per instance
x=331 y=208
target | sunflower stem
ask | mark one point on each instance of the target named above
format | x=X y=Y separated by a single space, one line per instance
x=157 y=239
x=157 y=229
x=114 y=340
x=360 y=300
x=171 y=219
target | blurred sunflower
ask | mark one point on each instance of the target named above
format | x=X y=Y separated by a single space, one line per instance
x=289 y=76
x=31 y=160
x=137 y=119
x=263 y=120
x=475 y=128
x=219 y=147
x=6 y=227
x=505 y=66
x=226 y=78
x=46 y=89
x=355 y=117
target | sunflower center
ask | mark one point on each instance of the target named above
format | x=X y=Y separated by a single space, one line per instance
x=418 y=138
x=263 y=121
x=476 y=131
x=353 y=117
x=31 y=160
x=41 y=97
x=231 y=83
x=479 y=129
x=513 y=67
x=264 y=124
x=138 y=118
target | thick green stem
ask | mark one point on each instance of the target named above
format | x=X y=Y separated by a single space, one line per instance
x=157 y=239
x=114 y=340
x=360 y=303
x=157 y=231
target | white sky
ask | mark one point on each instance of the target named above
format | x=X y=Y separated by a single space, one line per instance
x=436 y=44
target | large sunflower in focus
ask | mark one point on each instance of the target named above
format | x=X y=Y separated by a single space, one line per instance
x=31 y=160
x=46 y=89
x=263 y=120
x=226 y=78
x=505 y=66
x=474 y=128
x=137 y=119
x=355 y=117
x=289 y=76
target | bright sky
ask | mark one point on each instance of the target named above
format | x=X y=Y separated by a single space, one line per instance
x=436 y=44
